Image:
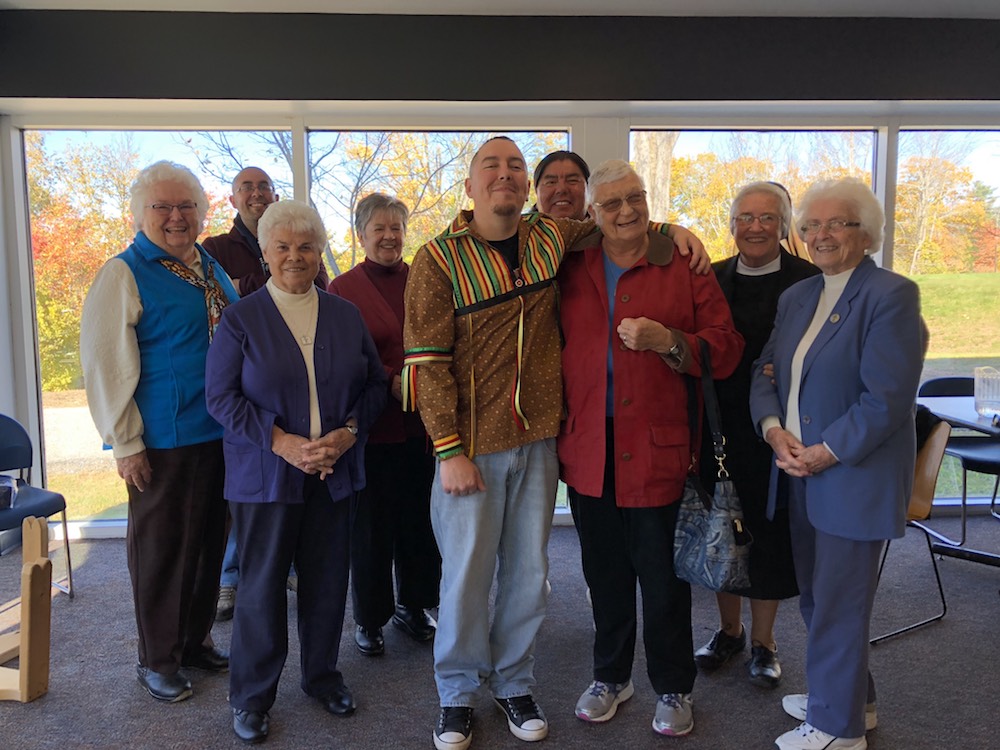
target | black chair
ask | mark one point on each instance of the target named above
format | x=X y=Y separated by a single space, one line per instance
x=16 y=453
x=977 y=453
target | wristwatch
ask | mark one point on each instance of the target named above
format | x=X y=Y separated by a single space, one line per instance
x=674 y=355
x=352 y=428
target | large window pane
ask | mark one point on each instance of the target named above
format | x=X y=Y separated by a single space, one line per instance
x=692 y=175
x=78 y=184
x=948 y=241
x=425 y=170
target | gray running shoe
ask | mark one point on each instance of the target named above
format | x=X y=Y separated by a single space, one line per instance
x=599 y=702
x=673 y=716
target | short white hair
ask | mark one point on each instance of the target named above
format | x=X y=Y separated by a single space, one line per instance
x=856 y=194
x=611 y=170
x=164 y=171
x=294 y=216
x=766 y=188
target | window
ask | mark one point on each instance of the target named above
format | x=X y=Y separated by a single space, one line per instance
x=78 y=194
x=425 y=170
x=693 y=175
x=947 y=240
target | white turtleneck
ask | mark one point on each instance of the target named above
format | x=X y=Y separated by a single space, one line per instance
x=833 y=288
x=300 y=313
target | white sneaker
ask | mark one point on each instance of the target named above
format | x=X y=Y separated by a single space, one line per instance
x=795 y=705
x=807 y=737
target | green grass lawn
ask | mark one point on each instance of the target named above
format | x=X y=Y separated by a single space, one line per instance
x=91 y=495
x=963 y=314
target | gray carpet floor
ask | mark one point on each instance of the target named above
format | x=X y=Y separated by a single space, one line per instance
x=937 y=686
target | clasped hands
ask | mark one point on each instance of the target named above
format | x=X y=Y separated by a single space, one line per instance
x=795 y=458
x=312 y=456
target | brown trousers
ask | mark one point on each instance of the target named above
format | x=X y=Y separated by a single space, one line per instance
x=176 y=536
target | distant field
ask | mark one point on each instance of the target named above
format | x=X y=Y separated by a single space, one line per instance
x=963 y=314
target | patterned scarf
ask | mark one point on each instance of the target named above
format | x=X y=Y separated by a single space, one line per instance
x=215 y=297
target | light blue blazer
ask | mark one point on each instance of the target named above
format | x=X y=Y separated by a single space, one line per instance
x=859 y=384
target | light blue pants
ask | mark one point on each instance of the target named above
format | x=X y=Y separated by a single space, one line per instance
x=503 y=529
x=837 y=581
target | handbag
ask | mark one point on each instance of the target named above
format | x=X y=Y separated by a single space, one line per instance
x=711 y=544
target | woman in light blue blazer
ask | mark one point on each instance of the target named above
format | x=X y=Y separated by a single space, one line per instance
x=838 y=412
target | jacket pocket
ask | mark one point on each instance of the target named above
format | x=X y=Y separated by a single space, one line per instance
x=670 y=449
x=244 y=471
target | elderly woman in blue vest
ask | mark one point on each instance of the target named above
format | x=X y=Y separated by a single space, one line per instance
x=147 y=323
x=295 y=379
x=838 y=413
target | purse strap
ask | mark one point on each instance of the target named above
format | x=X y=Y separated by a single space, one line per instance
x=711 y=409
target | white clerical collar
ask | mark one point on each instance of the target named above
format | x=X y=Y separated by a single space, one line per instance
x=744 y=270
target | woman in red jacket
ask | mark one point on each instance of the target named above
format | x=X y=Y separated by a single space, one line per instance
x=631 y=314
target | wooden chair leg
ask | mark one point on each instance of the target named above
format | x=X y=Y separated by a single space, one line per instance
x=31 y=678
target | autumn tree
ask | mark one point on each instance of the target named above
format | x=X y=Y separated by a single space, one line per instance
x=79 y=218
x=426 y=170
x=652 y=155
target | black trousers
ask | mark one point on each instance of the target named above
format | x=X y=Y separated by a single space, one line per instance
x=391 y=523
x=176 y=535
x=269 y=537
x=622 y=546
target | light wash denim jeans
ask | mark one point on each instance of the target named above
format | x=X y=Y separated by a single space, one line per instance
x=230 y=564
x=503 y=529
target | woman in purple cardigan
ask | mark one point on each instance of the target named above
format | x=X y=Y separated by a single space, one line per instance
x=295 y=380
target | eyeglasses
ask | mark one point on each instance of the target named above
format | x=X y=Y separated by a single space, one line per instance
x=766 y=220
x=165 y=209
x=614 y=204
x=249 y=187
x=833 y=225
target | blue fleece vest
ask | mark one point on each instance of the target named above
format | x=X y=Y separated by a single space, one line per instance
x=173 y=341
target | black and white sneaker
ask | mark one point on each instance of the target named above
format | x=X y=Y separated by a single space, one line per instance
x=454 y=728
x=524 y=718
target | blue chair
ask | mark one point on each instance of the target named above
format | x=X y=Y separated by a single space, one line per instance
x=977 y=453
x=16 y=453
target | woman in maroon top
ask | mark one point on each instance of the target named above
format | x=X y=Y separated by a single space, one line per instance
x=391 y=520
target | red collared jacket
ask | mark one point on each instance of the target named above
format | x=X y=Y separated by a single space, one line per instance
x=653 y=443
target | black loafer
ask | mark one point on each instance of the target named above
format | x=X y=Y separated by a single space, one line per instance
x=339 y=702
x=251 y=726
x=164 y=687
x=208 y=659
x=415 y=622
x=764 y=668
x=369 y=640
x=720 y=649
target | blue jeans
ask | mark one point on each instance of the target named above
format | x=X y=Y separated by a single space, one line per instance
x=230 y=564
x=509 y=524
